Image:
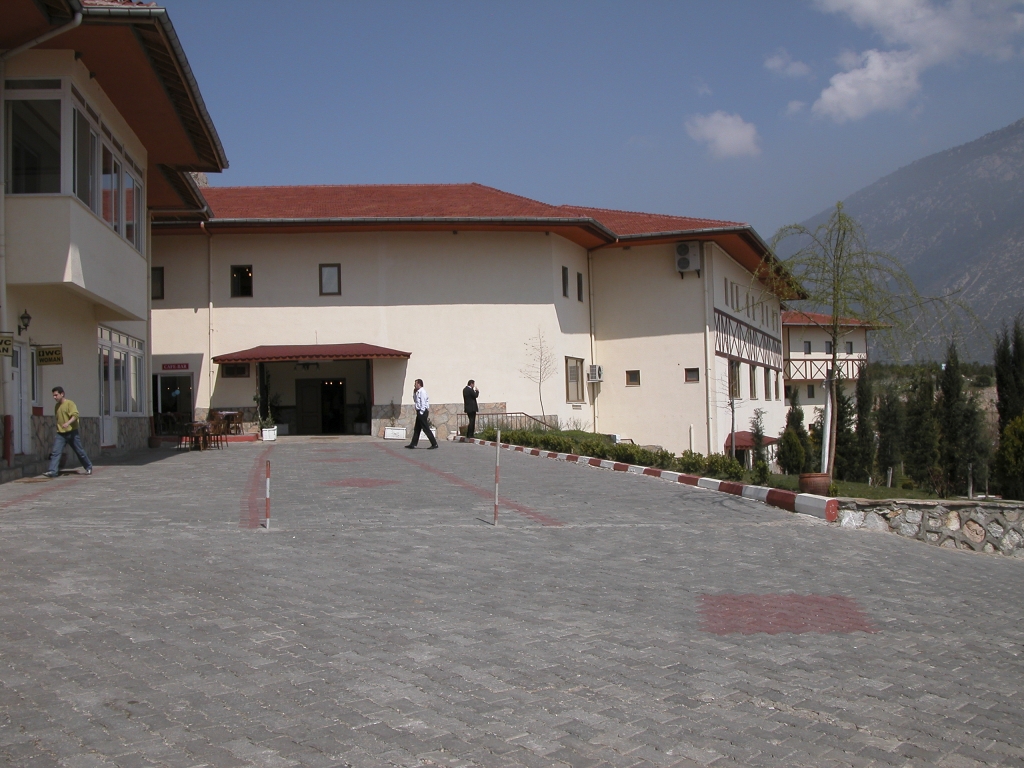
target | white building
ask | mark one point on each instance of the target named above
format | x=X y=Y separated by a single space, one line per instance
x=808 y=352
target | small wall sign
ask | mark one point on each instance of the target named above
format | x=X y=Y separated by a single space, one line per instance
x=6 y=344
x=175 y=366
x=50 y=355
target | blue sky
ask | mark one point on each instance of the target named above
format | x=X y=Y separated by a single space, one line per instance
x=763 y=112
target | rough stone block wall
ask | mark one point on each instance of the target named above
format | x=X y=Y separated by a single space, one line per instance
x=443 y=416
x=993 y=527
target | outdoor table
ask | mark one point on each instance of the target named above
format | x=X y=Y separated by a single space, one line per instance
x=234 y=427
x=199 y=436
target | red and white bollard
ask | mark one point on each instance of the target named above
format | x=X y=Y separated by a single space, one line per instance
x=267 y=523
x=497 y=475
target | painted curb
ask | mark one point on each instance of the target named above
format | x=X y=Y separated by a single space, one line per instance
x=804 y=503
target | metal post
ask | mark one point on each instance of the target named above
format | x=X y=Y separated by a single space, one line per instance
x=970 y=481
x=267 y=523
x=888 y=478
x=497 y=474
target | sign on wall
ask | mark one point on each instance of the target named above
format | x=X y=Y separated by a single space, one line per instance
x=50 y=355
x=6 y=344
x=175 y=366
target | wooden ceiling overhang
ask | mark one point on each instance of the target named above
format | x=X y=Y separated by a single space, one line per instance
x=135 y=55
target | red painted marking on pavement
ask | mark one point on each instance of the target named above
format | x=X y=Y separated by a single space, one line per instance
x=532 y=514
x=774 y=614
x=337 y=461
x=43 y=491
x=361 y=482
x=252 y=506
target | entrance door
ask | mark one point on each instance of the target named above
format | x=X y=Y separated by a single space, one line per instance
x=332 y=406
x=17 y=363
x=307 y=406
x=173 y=398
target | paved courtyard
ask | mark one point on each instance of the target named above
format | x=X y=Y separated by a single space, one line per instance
x=609 y=620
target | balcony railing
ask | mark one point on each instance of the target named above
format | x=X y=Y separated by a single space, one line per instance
x=507 y=421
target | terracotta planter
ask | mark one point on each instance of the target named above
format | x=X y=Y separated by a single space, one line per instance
x=815 y=482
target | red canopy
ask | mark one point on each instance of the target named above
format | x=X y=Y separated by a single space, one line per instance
x=745 y=441
x=288 y=352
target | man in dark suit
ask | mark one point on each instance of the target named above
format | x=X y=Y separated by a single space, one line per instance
x=469 y=396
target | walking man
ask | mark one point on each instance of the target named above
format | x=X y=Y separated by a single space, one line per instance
x=469 y=396
x=65 y=413
x=421 y=400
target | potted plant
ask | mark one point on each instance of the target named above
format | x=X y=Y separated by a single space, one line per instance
x=392 y=432
x=268 y=428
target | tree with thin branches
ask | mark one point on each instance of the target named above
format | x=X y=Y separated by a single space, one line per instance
x=844 y=278
x=540 y=365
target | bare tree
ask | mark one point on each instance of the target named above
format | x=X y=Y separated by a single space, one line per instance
x=540 y=365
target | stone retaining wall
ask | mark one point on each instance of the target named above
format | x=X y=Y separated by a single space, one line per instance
x=979 y=526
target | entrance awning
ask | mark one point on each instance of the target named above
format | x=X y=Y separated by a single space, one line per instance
x=745 y=441
x=294 y=352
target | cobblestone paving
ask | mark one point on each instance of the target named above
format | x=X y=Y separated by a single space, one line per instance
x=144 y=623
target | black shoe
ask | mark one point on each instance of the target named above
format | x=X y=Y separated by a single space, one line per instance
x=433 y=447
x=410 y=446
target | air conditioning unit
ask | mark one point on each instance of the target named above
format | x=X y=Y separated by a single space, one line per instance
x=595 y=374
x=688 y=257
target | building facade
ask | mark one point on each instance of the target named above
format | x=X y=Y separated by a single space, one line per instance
x=102 y=121
x=808 y=355
x=332 y=300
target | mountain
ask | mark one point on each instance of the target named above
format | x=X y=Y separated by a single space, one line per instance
x=955 y=220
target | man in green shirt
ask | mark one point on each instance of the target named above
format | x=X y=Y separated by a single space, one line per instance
x=65 y=413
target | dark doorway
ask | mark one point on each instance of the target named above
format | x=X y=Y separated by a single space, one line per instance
x=173 y=398
x=320 y=406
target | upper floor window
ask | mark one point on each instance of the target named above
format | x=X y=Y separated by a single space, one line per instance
x=33 y=159
x=807 y=347
x=330 y=279
x=849 y=347
x=579 y=286
x=157 y=283
x=632 y=378
x=753 y=382
x=734 y=379
x=241 y=280
x=828 y=347
x=565 y=281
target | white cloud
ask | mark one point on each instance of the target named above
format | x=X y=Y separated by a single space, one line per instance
x=726 y=135
x=922 y=34
x=794 y=107
x=782 y=63
x=702 y=88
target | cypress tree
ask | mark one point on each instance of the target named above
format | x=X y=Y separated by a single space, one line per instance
x=1009 y=365
x=846 y=441
x=951 y=412
x=891 y=420
x=922 y=432
x=795 y=421
x=864 y=452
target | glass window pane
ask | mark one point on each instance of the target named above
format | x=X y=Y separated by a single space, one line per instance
x=330 y=279
x=241 y=280
x=120 y=382
x=104 y=381
x=133 y=211
x=34 y=160
x=157 y=283
x=85 y=159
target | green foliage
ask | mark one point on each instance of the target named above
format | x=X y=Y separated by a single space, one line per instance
x=556 y=442
x=1010 y=460
x=757 y=436
x=922 y=432
x=724 y=467
x=846 y=442
x=593 y=447
x=760 y=474
x=691 y=463
x=962 y=442
x=1009 y=373
x=863 y=454
x=891 y=420
x=795 y=421
x=791 y=452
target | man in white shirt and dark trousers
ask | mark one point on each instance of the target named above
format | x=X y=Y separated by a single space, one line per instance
x=421 y=400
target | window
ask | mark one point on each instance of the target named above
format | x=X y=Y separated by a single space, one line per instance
x=828 y=347
x=241 y=280
x=110 y=177
x=768 y=384
x=753 y=382
x=157 y=283
x=565 y=281
x=86 y=147
x=121 y=373
x=632 y=378
x=849 y=347
x=33 y=161
x=133 y=212
x=234 y=371
x=330 y=280
x=579 y=286
x=691 y=374
x=778 y=378
x=734 y=379
x=574 y=380
x=810 y=391
x=807 y=347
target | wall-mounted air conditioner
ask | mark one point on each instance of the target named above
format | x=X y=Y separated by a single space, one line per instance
x=688 y=257
x=595 y=374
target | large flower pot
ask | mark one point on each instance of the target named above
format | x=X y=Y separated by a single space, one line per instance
x=269 y=433
x=815 y=482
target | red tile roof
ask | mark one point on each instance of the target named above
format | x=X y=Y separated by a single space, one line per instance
x=287 y=352
x=745 y=441
x=625 y=223
x=794 y=317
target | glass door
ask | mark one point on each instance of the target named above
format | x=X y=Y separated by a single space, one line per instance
x=107 y=436
x=17 y=363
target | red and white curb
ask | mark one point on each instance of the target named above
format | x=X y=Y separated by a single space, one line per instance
x=804 y=503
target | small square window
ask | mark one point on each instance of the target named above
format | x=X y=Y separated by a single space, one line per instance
x=753 y=382
x=234 y=371
x=692 y=374
x=810 y=391
x=734 y=380
x=828 y=347
x=565 y=281
x=849 y=347
x=157 y=283
x=579 y=286
x=241 y=280
x=330 y=279
x=807 y=347
x=632 y=378
x=574 y=384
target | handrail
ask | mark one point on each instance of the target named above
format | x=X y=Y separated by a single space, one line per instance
x=507 y=420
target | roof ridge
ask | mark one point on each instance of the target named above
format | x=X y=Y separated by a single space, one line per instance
x=647 y=213
x=353 y=186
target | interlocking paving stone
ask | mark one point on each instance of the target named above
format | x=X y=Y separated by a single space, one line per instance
x=146 y=619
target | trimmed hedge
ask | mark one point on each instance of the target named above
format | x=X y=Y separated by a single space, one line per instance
x=600 y=447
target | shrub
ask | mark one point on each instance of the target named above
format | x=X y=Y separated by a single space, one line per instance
x=555 y=442
x=691 y=463
x=593 y=447
x=627 y=453
x=791 y=452
x=760 y=474
x=664 y=459
x=724 y=467
x=1010 y=460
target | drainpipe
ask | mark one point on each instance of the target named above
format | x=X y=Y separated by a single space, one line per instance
x=5 y=366
x=710 y=388
x=590 y=287
x=209 y=315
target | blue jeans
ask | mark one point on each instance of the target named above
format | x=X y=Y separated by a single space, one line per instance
x=68 y=438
